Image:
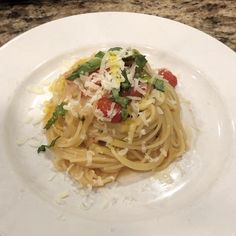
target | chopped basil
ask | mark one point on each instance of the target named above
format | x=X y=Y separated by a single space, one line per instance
x=159 y=85
x=146 y=77
x=115 y=93
x=124 y=113
x=43 y=147
x=100 y=54
x=123 y=101
x=59 y=111
x=115 y=49
x=140 y=61
x=126 y=84
x=128 y=60
x=88 y=67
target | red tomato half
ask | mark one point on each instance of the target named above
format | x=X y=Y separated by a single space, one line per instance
x=104 y=105
x=167 y=75
x=131 y=92
x=134 y=93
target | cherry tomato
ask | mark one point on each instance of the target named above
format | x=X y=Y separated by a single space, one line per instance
x=131 y=92
x=134 y=93
x=167 y=75
x=104 y=105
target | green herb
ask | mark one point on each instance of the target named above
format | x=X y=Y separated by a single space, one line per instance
x=128 y=60
x=123 y=101
x=59 y=111
x=124 y=113
x=100 y=54
x=159 y=85
x=43 y=147
x=146 y=77
x=140 y=61
x=126 y=84
x=88 y=67
x=115 y=49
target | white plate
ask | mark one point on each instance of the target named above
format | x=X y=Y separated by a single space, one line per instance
x=195 y=196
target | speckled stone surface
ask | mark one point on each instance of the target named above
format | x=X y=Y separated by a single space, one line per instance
x=215 y=17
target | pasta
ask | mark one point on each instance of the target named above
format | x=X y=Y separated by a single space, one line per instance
x=112 y=111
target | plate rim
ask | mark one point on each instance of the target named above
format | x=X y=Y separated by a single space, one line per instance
x=40 y=27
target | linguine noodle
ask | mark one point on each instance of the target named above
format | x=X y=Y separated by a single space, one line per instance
x=101 y=120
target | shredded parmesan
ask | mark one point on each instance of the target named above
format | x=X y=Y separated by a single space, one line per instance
x=135 y=107
x=143 y=117
x=63 y=195
x=52 y=177
x=143 y=147
x=134 y=98
x=59 y=199
x=98 y=113
x=89 y=157
x=159 y=111
x=147 y=157
x=36 y=90
x=163 y=152
x=142 y=132
x=99 y=181
x=159 y=96
x=111 y=113
x=123 y=152
x=22 y=141
x=137 y=88
x=172 y=102
x=69 y=168
x=79 y=176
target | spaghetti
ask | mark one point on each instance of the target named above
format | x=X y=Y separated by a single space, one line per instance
x=112 y=111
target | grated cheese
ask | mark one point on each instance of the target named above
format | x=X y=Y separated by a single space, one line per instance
x=137 y=88
x=134 y=98
x=159 y=96
x=163 y=152
x=111 y=113
x=143 y=147
x=89 y=157
x=147 y=157
x=159 y=111
x=99 y=115
x=142 y=131
x=135 y=107
x=22 y=141
x=69 y=168
x=99 y=181
x=63 y=195
x=80 y=176
x=39 y=90
x=143 y=117
x=52 y=177
x=59 y=199
x=172 y=102
x=123 y=152
x=131 y=74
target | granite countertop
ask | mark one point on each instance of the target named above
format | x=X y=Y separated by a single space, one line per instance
x=215 y=17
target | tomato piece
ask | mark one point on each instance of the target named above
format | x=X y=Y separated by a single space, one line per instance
x=167 y=75
x=104 y=105
x=131 y=92
x=134 y=93
x=117 y=117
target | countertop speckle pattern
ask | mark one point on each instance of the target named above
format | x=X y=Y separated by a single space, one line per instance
x=215 y=17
